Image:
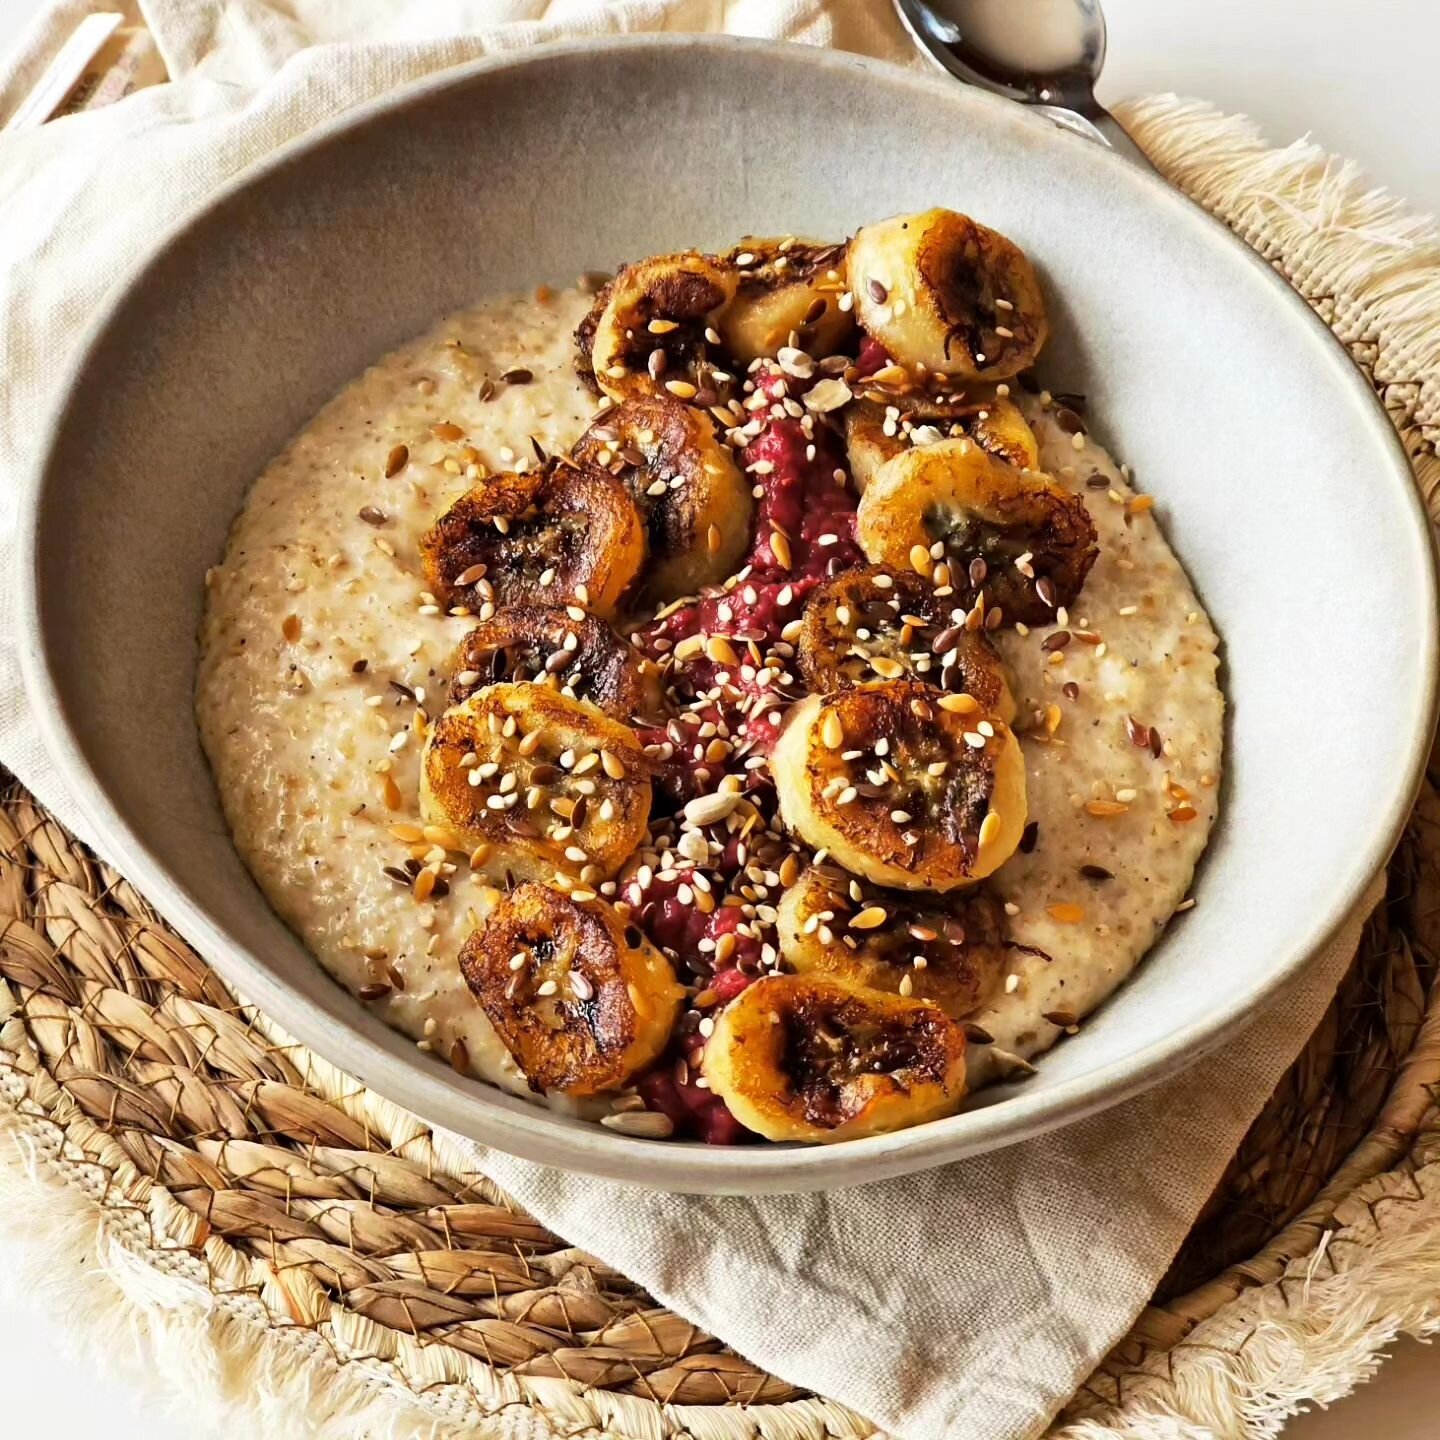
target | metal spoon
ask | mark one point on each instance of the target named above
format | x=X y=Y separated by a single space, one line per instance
x=1045 y=53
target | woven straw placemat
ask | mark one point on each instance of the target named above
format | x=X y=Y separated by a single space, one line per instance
x=231 y=1216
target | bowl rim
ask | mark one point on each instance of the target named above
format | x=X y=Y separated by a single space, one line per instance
x=532 y=1133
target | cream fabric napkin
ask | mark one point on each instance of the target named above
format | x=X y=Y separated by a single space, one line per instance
x=970 y=1301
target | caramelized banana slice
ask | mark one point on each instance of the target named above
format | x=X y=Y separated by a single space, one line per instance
x=564 y=647
x=878 y=430
x=940 y=290
x=876 y=624
x=549 y=534
x=951 y=952
x=1001 y=429
x=902 y=785
x=694 y=501
x=650 y=336
x=578 y=996
x=803 y=1057
x=786 y=287
x=1018 y=537
x=551 y=783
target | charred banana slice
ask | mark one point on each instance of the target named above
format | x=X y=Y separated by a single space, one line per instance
x=695 y=503
x=553 y=785
x=650 y=335
x=1016 y=536
x=951 y=952
x=877 y=624
x=552 y=533
x=999 y=427
x=578 y=996
x=902 y=785
x=879 y=430
x=942 y=291
x=561 y=646
x=803 y=1057
x=786 y=288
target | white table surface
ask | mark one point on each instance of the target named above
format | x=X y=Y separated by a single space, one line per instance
x=1357 y=74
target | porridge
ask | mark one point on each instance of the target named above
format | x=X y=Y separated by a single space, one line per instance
x=730 y=700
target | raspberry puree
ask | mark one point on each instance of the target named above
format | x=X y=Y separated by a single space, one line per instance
x=804 y=532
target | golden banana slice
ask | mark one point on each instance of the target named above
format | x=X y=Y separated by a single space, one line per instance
x=787 y=288
x=951 y=952
x=651 y=333
x=803 y=1057
x=552 y=785
x=902 y=785
x=550 y=534
x=578 y=995
x=695 y=503
x=1016 y=536
x=942 y=291
x=562 y=646
x=1000 y=428
x=872 y=623
x=877 y=430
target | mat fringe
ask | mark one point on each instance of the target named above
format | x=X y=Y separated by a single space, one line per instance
x=1308 y=1339
x=172 y=1339
x=1372 y=270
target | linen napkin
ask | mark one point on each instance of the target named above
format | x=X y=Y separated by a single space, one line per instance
x=969 y=1301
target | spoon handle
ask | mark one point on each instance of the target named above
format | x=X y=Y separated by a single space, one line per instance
x=1100 y=126
x=1114 y=134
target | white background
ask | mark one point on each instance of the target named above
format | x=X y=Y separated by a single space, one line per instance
x=1359 y=75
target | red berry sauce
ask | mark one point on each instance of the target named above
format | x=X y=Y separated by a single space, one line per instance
x=806 y=506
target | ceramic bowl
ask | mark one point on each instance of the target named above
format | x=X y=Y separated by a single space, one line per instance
x=1280 y=482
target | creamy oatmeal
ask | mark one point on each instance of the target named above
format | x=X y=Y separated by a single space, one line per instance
x=319 y=649
x=1118 y=828
x=331 y=674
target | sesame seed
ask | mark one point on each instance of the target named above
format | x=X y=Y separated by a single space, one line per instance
x=642 y=1124
x=1105 y=809
x=708 y=809
x=961 y=704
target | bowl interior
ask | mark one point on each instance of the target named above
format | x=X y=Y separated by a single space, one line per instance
x=1279 y=481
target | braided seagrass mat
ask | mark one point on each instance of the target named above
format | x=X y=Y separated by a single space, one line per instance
x=271 y=1240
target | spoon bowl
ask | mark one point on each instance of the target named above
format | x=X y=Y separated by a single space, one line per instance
x=1046 y=53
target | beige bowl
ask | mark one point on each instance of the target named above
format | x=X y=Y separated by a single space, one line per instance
x=1285 y=490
